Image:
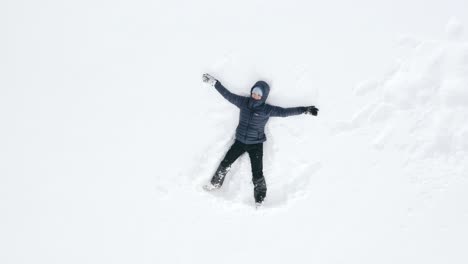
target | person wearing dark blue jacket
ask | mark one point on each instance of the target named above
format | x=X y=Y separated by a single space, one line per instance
x=250 y=132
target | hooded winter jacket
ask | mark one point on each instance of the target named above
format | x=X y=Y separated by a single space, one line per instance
x=254 y=114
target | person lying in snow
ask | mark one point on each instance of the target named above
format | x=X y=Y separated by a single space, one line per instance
x=250 y=133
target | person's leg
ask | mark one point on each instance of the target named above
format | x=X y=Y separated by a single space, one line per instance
x=236 y=150
x=256 y=161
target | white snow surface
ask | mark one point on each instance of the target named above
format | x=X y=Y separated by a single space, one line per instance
x=107 y=133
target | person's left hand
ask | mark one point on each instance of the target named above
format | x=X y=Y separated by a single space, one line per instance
x=311 y=110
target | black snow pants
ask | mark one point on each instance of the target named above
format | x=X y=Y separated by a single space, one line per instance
x=256 y=160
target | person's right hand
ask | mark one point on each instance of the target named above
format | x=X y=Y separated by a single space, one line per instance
x=208 y=79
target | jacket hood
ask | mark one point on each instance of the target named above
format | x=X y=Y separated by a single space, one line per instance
x=265 y=90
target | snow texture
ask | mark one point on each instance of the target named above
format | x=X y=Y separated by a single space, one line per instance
x=107 y=133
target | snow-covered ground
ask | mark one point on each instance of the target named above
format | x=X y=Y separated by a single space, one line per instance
x=107 y=132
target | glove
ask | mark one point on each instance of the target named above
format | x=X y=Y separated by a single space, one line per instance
x=311 y=110
x=209 y=79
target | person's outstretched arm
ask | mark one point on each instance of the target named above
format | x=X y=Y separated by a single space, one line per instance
x=231 y=97
x=290 y=111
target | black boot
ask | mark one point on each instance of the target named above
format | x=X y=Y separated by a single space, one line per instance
x=260 y=190
x=218 y=177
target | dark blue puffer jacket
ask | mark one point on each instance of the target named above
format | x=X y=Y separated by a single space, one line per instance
x=255 y=114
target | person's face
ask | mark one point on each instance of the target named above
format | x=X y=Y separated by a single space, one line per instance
x=256 y=96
